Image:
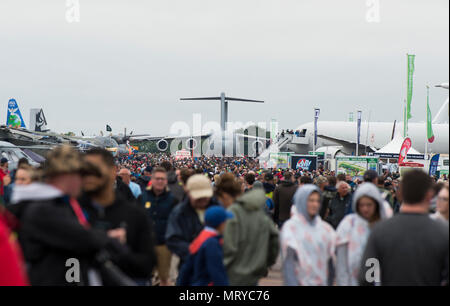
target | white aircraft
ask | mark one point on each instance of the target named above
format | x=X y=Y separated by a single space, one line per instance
x=374 y=135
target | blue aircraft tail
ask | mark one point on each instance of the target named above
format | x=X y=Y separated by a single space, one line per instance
x=14 y=118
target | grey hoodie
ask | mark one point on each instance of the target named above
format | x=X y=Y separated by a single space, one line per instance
x=291 y=260
x=371 y=191
x=343 y=267
x=301 y=200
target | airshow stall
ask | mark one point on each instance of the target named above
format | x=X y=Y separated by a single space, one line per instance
x=392 y=151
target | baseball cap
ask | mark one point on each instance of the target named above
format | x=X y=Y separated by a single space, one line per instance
x=3 y=160
x=199 y=186
x=216 y=215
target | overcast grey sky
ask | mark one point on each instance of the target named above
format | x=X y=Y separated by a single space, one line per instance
x=127 y=63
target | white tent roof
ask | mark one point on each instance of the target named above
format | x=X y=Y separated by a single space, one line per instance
x=395 y=145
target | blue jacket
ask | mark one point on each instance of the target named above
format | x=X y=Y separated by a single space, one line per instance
x=204 y=266
x=158 y=209
x=183 y=227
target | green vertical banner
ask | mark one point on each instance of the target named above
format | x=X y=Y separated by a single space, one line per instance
x=273 y=130
x=410 y=85
x=430 y=134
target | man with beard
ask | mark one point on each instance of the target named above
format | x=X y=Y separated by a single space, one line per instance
x=106 y=209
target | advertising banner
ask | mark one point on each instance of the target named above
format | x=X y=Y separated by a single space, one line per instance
x=278 y=160
x=304 y=162
x=396 y=156
x=404 y=150
x=356 y=166
x=434 y=163
x=182 y=154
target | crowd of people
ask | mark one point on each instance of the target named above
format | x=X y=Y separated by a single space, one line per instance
x=151 y=219
x=297 y=133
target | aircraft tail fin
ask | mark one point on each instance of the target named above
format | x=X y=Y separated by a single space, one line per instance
x=14 y=117
x=38 y=123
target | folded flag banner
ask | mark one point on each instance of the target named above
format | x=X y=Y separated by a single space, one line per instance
x=430 y=134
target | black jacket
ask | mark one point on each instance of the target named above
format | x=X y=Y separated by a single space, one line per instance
x=183 y=227
x=143 y=181
x=139 y=259
x=282 y=198
x=338 y=207
x=50 y=234
x=175 y=187
x=158 y=209
x=327 y=195
x=125 y=191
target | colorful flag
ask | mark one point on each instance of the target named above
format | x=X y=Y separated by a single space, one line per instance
x=404 y=150
x=430 y=134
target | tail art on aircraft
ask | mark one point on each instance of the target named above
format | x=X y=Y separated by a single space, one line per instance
x=14 y=117
x=38 y=123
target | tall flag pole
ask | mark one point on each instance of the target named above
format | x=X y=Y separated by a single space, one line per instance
x=316 y=117
x=405 y=121
x=409 y=93
x=358 y=131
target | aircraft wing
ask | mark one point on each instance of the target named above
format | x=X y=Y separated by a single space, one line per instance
x=37 y=147
x=156 y=138
x=138 y=138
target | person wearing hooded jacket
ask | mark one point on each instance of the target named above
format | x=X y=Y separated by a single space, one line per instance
x=52 y=227
x=307 y=242
x=354 y=230
x=251 y=241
